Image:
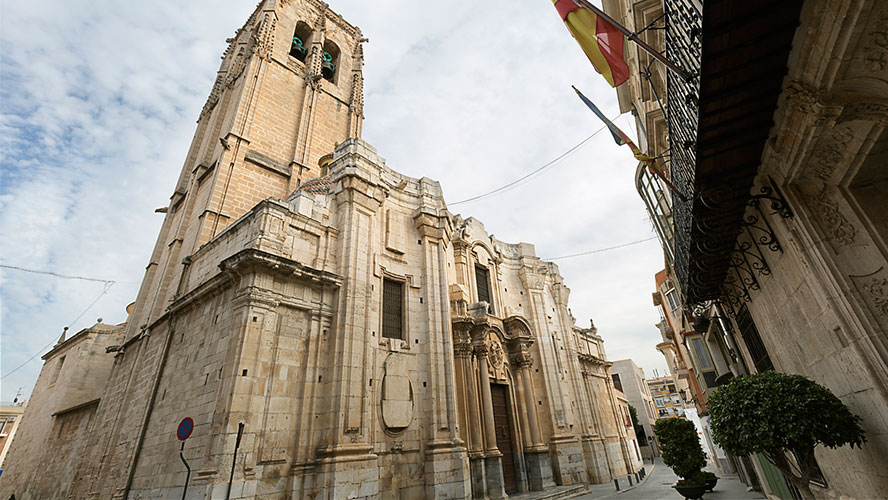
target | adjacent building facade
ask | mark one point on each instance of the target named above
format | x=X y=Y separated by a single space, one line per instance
x=629 y=378
x=10 y=417
x=370 y=343
x=667 y=399
x=776 y=247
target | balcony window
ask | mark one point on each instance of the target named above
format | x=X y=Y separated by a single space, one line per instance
x=482 y=282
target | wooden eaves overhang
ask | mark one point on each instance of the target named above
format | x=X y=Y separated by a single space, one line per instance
x=745 y=49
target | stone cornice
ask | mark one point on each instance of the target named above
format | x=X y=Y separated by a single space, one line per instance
x=593 y=360
x=243 y=260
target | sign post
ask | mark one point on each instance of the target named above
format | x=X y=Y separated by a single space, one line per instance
x=186 y=426
x=240 y=434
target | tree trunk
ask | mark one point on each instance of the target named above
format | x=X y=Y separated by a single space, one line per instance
x=801 y=484
x=806 y=469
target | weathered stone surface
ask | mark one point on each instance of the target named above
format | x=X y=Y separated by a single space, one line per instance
x=263 y=305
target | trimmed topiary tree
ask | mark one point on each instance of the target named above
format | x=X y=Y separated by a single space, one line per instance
x=681 y=448
x=773 y=413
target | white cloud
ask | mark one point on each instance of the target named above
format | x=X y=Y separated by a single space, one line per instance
x=98 y=105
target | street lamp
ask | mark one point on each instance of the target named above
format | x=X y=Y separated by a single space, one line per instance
x=684 y=398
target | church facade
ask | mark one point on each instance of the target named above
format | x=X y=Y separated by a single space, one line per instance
x=368 y=342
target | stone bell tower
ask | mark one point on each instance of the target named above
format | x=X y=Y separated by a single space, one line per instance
x=288 y=91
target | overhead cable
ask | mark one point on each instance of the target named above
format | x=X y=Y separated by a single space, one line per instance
x=518 y=181
x=603 y=249
x=105 y=289
x=57 y=275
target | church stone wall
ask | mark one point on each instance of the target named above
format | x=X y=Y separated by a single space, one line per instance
x=263 y=305
x=60 y=411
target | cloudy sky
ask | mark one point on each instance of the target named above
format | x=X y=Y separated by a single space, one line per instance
x=98 y=102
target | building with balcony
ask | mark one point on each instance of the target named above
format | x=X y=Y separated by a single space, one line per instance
x=667 y=399
x=777 y=144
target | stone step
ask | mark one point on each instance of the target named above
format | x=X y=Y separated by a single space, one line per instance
x=557 y=493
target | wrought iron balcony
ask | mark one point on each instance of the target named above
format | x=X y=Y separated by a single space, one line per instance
x=718 y=122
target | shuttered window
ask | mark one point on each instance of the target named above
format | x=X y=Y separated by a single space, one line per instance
x=483 y=282
x=392 y=309
x=754 y=343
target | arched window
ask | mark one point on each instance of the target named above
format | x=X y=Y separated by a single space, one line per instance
x=330 y=61
x=301 y=41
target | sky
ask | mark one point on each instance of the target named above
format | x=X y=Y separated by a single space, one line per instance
x=98 y=104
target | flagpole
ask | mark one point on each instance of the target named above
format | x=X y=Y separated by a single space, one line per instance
x=674 y=189
x=632 y=36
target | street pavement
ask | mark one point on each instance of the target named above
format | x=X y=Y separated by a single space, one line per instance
x=658 y=486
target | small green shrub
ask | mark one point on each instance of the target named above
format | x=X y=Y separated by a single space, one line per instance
x=681 y=448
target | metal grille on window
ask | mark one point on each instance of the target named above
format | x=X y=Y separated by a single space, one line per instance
x=392 y=307
x=754 y=343
x=483 y=282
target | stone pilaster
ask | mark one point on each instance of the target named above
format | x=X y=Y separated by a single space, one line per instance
x=539 y=467
x=492 y=456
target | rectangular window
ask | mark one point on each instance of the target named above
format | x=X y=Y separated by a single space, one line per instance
x=482 y=280
x=753 y=341
x=617 y=382
x=672 y=298
x=702 y=353
x=392 y=309
x=709 y=379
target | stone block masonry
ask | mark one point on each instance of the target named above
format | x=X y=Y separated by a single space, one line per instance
x=373 y=344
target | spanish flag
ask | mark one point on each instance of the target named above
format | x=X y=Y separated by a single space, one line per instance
x=599 y=39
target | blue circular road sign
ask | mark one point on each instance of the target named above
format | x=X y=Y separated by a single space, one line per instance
x=185 y=428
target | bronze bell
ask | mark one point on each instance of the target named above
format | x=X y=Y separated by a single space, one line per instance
x=297 y=49
x=327 y=66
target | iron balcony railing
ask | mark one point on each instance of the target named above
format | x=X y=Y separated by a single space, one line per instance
x=683 y=46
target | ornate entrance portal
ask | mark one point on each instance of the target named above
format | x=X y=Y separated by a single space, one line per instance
x=502 y=420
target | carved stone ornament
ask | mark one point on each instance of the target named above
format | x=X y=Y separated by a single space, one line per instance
x=803 y=98
x=830 y=154
x=495 y=355
x=218 y=85
x=481 y=350
x=463 y=350
x=237 y=66
x=877 y=288
x=522 y=359
x=265 y=35
x=837 y=225
x=876 y=52
x=868 y=111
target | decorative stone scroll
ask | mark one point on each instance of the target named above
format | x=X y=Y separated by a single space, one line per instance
x=827 y=156
x=836 y=224
x=495 y=355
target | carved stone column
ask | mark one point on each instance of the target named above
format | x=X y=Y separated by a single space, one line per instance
x=539 y=467
x=521 y=404
x=492 y=456
x=462 y=349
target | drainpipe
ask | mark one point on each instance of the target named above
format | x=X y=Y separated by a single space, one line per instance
x=144 y=429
